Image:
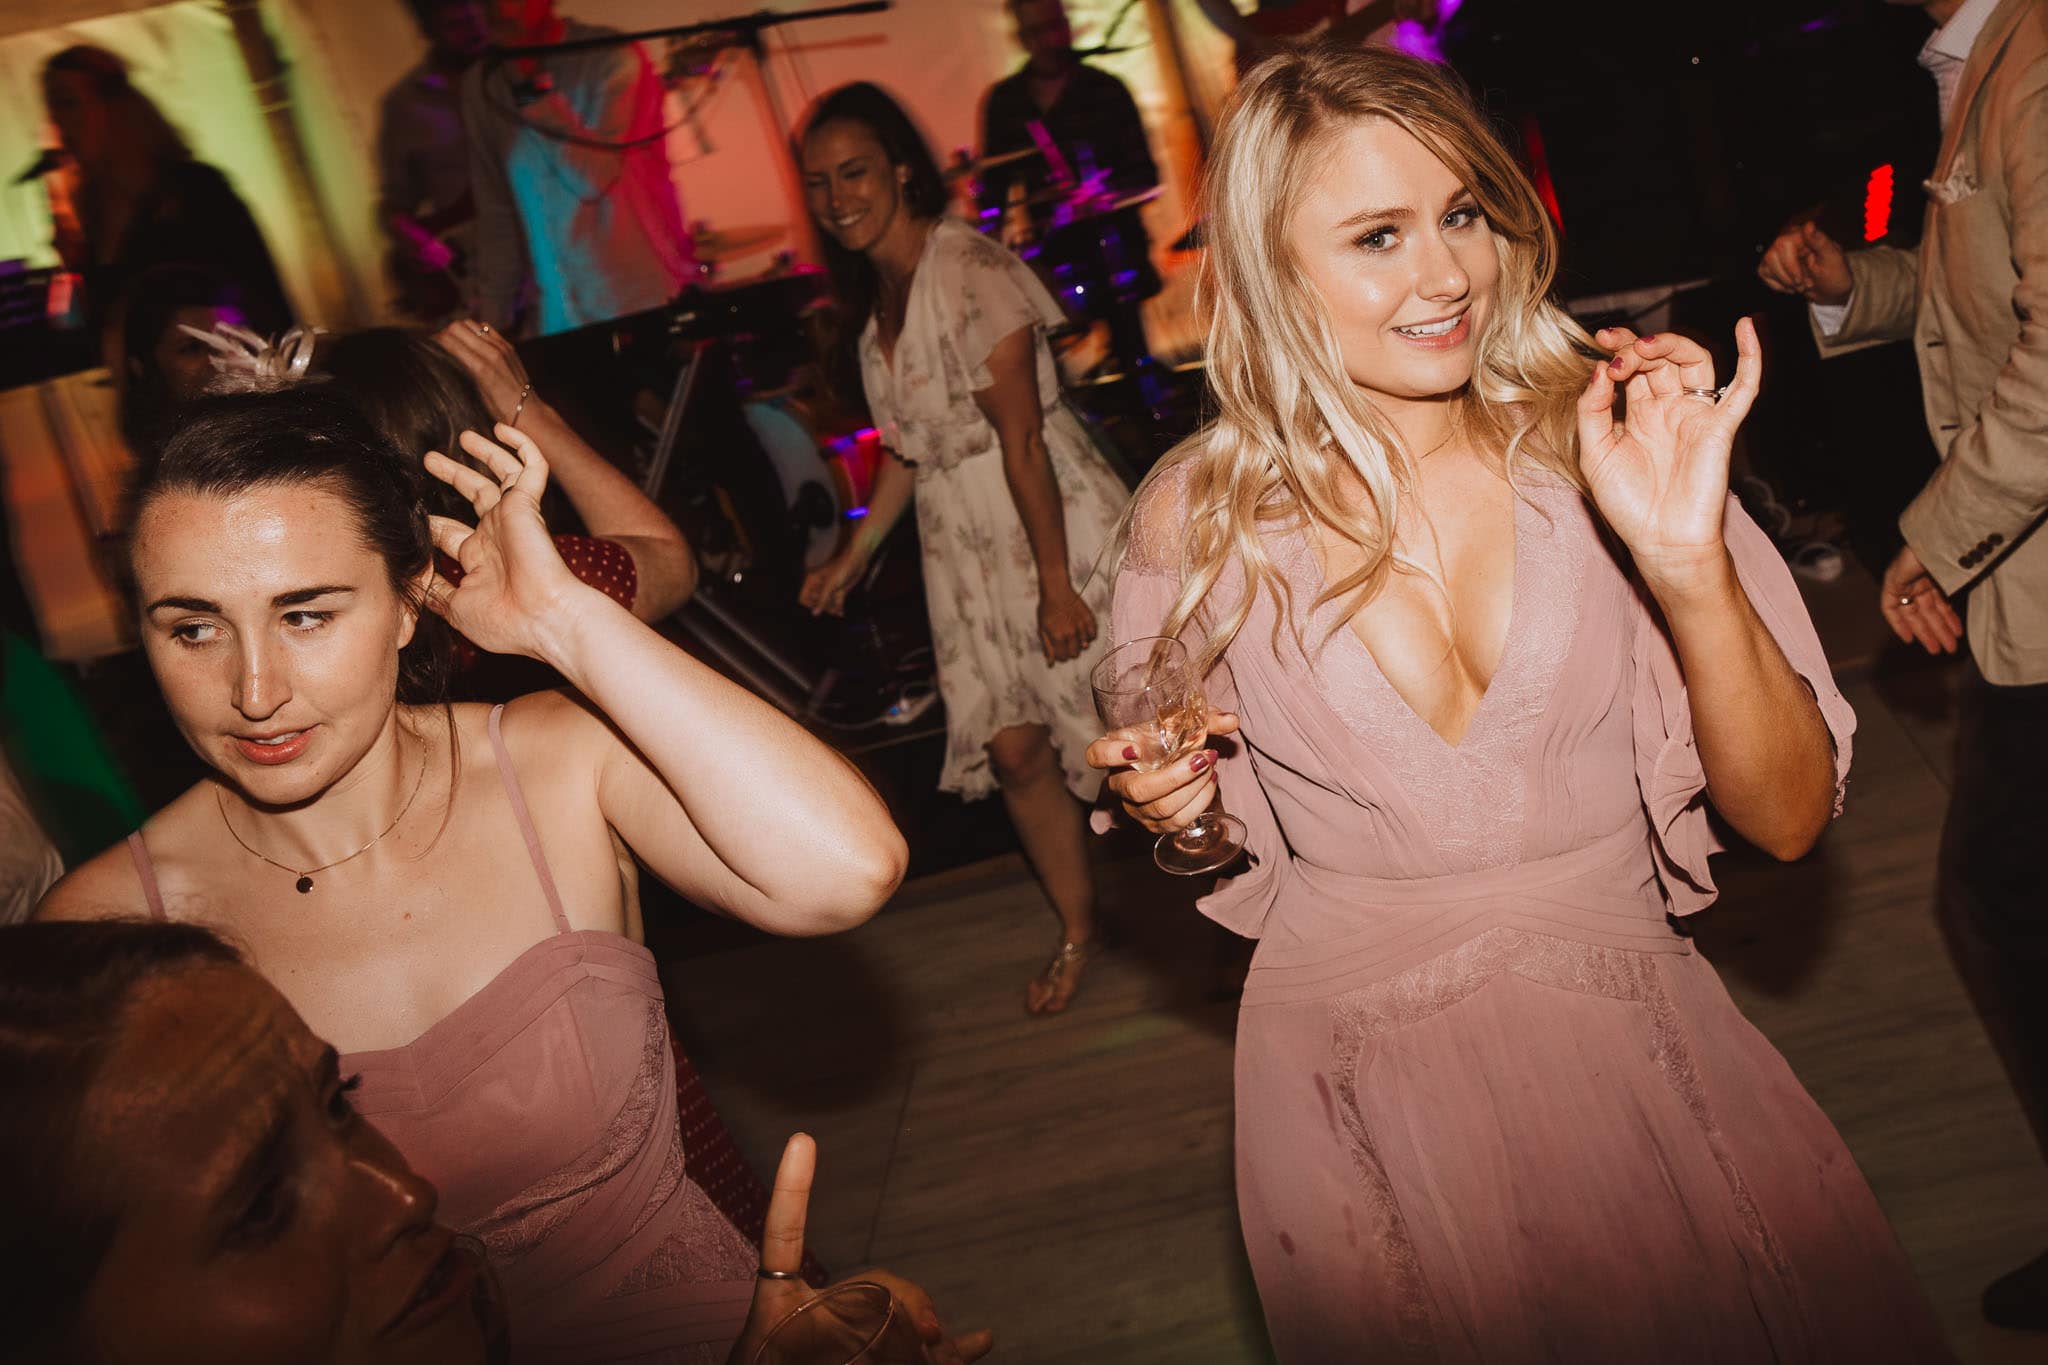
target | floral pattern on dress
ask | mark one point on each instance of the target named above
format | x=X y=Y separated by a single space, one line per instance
x=981 y=581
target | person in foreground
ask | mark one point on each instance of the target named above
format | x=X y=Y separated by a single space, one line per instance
x=1494 y=661
x=448 y=893
x=943 y=331
x=187 y=1178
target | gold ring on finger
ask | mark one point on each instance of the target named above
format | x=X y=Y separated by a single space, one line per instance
x=1712 y=395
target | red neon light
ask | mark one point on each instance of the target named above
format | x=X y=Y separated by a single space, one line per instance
x=1877 y=204
x=1539 y=171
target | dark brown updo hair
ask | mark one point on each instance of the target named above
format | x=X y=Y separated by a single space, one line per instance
x=423 y=399
x=65 y=989
x=227 y=445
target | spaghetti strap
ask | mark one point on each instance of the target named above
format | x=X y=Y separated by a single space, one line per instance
x=526 y=830
x=146 y=870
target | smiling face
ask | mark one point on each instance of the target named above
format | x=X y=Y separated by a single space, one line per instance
x=1403 y=260
x=274 y=632
x=850 y=186
x=260 y=1219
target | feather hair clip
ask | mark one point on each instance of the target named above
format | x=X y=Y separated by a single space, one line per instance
x=244 y=362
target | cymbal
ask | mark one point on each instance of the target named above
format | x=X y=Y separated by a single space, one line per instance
x=722 y=244
x=966 y=168
x=1057 y=194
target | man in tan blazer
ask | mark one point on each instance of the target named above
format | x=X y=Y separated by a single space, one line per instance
x=1974 y=302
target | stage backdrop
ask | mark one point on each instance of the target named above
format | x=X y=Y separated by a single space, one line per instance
x=938 y=56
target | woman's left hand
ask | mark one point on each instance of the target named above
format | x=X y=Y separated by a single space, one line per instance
x=492 y=363
x=782 y=1252
x=515 y=587
x=1660 y=476
x=1065 y=625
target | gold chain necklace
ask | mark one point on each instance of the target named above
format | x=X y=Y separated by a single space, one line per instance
x=305 y=879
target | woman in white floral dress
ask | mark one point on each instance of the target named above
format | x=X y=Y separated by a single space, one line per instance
x=1014 y=503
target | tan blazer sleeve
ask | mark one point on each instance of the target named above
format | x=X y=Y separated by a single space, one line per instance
x=1993 y=486
x=1881 y=303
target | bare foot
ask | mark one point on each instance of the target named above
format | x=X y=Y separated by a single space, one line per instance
x=1053 y=987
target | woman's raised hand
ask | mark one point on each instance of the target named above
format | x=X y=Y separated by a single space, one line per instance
x=1660 y=475
x=514 y=584
x=491 y=362
x=1165 y=800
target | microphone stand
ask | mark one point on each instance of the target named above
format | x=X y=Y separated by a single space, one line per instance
x=746 y=29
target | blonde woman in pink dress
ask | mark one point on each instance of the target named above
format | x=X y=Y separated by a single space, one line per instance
x=1489 y=657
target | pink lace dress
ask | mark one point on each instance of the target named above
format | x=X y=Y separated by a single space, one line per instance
x=1491 y=1104
x=544 y=1109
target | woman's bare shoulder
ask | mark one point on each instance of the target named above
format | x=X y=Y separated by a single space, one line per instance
x=109 y=884
x=548 y=735
x=105 y=886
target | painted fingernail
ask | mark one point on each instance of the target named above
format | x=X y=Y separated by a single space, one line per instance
x=1617 y=364
x=1130 y=751
x=1644 y=341
x=1202 y=761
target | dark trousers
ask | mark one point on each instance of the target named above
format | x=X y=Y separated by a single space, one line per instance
x=1994 y=877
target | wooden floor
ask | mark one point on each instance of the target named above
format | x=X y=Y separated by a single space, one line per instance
x=1068 y=1181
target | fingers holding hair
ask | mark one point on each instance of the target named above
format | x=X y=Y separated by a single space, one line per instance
x=481 y=492
x=451 y=537
x=513 y=458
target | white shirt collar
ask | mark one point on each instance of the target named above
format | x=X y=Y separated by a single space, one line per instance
x=1954 y=39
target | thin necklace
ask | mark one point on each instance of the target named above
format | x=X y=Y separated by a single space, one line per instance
x=305 y=879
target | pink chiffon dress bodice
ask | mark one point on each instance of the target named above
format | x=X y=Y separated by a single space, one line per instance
x=1491 y=1104
x=543 y=1108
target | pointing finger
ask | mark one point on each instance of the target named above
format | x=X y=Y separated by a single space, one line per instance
x=782 y=1232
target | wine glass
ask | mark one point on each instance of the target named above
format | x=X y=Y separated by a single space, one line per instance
x=857 y=1321
x=1148 y=694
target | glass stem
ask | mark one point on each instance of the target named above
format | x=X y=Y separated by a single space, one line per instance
x=1202 y=830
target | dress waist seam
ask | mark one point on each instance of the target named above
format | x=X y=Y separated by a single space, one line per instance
x=1601 y=895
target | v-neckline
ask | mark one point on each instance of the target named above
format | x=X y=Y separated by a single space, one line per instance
x=1508 y=647
x=889 y=353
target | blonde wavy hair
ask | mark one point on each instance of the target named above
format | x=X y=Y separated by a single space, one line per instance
x=1293 y=436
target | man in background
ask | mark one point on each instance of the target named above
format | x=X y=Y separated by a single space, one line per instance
x=1085 y=150
x=424 y=202
x=569 y=168
x=1974 y=301
x=1090 y=117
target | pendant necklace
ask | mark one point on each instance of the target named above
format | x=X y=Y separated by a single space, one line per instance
x=305 y=879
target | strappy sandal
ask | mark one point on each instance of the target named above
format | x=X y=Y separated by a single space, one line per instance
x=1064 y=967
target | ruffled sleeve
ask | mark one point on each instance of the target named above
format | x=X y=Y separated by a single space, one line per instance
x=1668 y=770
x=989 y=294
x=1147 y=585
